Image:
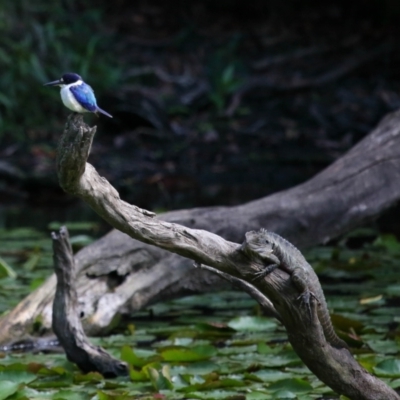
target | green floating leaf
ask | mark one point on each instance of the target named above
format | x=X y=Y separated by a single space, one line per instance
x=215 y=330
x=395 y=384
x=92 y=377
x=256 y=395
x=294 y=385
x=271 y=375
x=393 y=290
x=388 y=368
x=282 y=359
x=16 y=376
x=35 y=283
x=284 y=395
x=137 y=376
x=81 y=240
x=51 y=383
x=389 y=242
x=368 y=361
x=252 y=377
x=238 y=350
x=383 y=346
x=183 y=354
x=263 y=348
x=160 y=380
x=252 y=324
x=129 y=356
x=6 y=270
x=195 y=368
x=69 y=395
x=8 y=388
x=102 y=396
x=223 y=383
x=219 y=395
x=51 y=378
x=20 y=233
x=32 y=261
x=346 y=324
x=74 y=226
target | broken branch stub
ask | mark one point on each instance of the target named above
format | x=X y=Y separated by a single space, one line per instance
x=66 y=316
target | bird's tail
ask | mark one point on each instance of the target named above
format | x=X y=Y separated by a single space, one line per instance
x=103 y=112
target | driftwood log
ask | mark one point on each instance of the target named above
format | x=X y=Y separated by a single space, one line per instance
x=117 y=274
x=334 y=366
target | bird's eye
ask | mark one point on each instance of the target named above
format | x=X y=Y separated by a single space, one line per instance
x=267 y=241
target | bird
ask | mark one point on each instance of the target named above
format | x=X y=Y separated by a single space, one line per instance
x=77 y=95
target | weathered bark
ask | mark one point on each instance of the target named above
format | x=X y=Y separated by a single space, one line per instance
x=66 y=316
x=335 y=367
x=353 y=190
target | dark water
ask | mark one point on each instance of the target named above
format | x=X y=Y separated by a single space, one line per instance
x=39 y=217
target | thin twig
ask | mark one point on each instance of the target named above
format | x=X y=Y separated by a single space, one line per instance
x=264 y=301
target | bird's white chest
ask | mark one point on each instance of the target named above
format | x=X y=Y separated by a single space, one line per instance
x=69 y=100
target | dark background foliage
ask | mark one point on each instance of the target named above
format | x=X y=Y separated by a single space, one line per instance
x=213 y=102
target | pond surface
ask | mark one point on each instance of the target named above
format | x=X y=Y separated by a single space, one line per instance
x=213 y=346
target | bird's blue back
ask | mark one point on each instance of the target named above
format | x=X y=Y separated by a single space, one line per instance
x=85 y=96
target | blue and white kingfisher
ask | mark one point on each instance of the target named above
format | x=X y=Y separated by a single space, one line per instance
x=77 y=95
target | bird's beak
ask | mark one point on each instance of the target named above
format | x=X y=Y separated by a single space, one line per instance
x=54 y=83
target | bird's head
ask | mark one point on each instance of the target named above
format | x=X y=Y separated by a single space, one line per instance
x=66 y=79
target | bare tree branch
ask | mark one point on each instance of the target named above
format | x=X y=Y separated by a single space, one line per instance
x=336 y=367
x=354 y=190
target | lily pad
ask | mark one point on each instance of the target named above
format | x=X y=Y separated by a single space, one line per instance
x=182 y=354
x=247 y=323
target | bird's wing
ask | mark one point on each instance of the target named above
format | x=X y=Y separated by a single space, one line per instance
x=85 y=96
